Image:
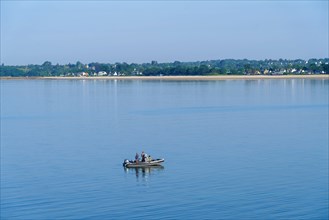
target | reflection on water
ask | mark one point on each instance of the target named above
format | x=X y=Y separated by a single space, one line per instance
x=143 y=172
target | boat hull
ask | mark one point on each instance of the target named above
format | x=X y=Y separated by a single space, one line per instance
x=131 y=164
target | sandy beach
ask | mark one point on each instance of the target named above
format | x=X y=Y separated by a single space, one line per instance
x=197 y=78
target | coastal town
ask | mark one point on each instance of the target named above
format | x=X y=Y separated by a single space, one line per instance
x=177 y=68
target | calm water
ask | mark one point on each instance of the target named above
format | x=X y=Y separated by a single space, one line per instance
x=245 y=149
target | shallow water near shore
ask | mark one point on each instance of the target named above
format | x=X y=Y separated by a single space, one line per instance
x=234 y=149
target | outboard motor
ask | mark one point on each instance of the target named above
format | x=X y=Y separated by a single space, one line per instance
x=126 y=161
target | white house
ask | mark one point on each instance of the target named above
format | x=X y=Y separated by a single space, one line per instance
x=83 y=74
x=102 y=73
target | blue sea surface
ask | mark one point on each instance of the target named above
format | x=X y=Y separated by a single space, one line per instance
x=234 y=149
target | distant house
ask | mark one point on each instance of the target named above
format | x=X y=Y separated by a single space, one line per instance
x=83 y=74
x=115 y=74
x=136 y=73
x=281 y=72
x=102 y=73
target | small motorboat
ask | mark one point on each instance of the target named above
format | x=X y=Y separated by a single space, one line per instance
x=151 y=163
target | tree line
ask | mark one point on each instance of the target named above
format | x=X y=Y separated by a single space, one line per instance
x=210 y=67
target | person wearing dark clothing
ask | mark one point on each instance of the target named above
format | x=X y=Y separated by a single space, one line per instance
x=143 y=156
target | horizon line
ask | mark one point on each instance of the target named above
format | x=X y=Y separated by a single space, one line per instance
x=160 y=62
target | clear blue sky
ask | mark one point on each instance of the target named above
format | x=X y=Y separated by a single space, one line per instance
x=141 y=31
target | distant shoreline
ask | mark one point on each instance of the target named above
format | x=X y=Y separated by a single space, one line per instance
x=180 y=78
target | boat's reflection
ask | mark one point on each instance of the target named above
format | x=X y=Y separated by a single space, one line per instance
x=144 y=172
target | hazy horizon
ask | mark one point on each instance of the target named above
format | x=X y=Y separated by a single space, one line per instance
x=141 y=31
x=147 y=62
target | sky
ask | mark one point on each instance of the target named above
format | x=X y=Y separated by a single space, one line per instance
x=63 y=32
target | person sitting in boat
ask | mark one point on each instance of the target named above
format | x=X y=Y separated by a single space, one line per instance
x=149 y=158
x=136 y=158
